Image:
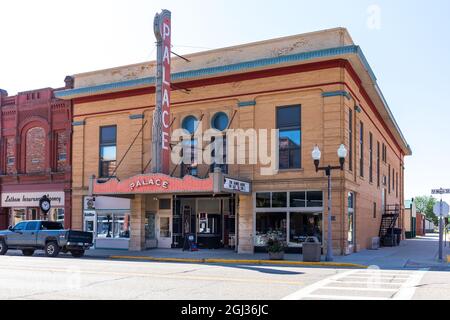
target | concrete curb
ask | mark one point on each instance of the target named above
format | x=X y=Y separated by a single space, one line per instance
x=243 y=261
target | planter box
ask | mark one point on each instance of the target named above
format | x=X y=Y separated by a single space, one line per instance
x=311 y=252
x=276 y=255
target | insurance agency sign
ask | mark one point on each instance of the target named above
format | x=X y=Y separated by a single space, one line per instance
x=31 y=199
x=161 y=117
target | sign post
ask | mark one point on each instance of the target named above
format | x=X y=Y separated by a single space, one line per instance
x=441 y=210
x=161 y=116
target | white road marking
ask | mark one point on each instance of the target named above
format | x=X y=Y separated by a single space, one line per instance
x=360 y=289
x=331 y=297
x=408 y=289
x=401 y=285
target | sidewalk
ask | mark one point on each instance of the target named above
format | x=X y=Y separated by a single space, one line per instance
x=414 y=253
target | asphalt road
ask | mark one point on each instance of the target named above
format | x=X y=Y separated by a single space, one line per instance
x=68 y=278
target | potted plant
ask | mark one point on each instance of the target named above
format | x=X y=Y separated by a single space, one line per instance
x=275 y=247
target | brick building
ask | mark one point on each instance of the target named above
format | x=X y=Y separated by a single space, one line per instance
x=315 y=88
x=35 y=153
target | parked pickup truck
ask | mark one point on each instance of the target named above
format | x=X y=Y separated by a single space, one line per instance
x=51 y=237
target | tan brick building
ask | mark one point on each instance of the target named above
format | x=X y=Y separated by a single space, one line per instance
x=316 y=88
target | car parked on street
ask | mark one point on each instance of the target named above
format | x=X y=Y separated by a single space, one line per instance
x=51 y=237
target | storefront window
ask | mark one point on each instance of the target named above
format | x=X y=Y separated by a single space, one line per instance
x=56 y=214
x=121 y=226
x=113 y=225
x=279 y=199
x=303 y=225
x=270 y=222
x=351 y=218
x=300 y=216
x=297 y=199
x=314 y=199
x=263 y=200
x=18 y=215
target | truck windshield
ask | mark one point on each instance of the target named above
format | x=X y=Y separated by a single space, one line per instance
x=47 y=225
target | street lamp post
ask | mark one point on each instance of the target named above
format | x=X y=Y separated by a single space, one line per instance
x=342 y=154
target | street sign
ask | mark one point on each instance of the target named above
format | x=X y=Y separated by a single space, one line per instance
x=440 y=191
x=437 y=209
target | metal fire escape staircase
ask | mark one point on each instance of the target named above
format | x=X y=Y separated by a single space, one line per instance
x=388 y=222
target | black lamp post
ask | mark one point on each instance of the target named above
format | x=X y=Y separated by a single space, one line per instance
x=342 y=154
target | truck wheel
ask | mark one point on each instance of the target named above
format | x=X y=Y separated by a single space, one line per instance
x=3 y=247
x=27 y=252
x=51 y=249
x=77 y=253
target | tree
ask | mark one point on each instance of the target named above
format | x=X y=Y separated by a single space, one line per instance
x=425 y=205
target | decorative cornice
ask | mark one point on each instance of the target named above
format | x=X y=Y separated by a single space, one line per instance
x=205 y=72
x=78 y=123
x=136 y=116
x=336 y=94
x=247 y=103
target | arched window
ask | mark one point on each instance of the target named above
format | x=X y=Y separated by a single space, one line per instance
x=188 y=166
x=190 y=124
x=220 y=121
x=35 y=150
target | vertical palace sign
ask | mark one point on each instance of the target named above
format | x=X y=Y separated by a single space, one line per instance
x=161 y=117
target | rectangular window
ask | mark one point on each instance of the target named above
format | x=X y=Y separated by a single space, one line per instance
x=384 y=154
x=370 y=157
x=61 y=160
x=396 y=184
x=389 y=178
x=289 y=126
x=274 y=223
x=108 y=150
x=351 y=218
x=10 y=154
x=350 y=139
x=263 y=200
x=279 y=199
x=361 y=149
x=304 y=225
x=374 y=210
x=378 y=164
x=393 y=180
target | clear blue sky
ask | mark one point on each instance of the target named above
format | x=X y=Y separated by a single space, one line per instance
x=408 y=47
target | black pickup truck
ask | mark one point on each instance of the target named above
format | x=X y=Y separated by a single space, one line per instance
x=51 y=237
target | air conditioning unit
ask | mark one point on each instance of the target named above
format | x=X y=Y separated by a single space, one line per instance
x=374 y=243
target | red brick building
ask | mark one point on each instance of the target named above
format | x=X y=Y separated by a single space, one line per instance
x=35 y=156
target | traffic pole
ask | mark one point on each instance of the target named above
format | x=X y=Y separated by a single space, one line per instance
x=441 y=229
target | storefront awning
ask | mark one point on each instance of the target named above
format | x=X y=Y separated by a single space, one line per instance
x=155 y=183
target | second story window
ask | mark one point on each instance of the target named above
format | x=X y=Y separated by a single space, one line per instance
x=370 y=157
x=108 y=151
x=389 y=178
x=289 y=126
x=188 y=167
x=378 y=163
x=10 y=155
x=350 y=139
x=220 y=123
x=61 y=150
x=361 y=149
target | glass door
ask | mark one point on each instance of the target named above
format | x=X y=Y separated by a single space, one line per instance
x=164 y=232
